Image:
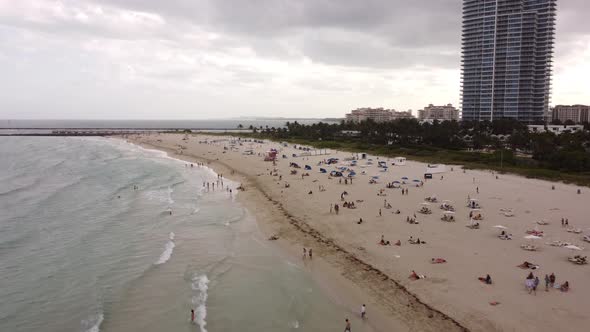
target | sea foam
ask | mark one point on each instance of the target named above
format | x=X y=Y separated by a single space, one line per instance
x=168 y=249
x=94 y=323
x=200 y=284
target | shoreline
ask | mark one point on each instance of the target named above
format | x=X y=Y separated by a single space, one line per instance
x=391 y=304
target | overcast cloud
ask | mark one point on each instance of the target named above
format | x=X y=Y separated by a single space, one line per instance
x=220 y=58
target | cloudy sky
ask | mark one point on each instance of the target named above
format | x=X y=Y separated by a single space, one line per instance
x=192 y=59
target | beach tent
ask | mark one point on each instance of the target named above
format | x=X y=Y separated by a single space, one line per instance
x=416 y=180
x=399 y=161
x=323 y=170
x=382 y=164
x=336 y=173
x=307 y=167
x=404 y=178
x=351 y=174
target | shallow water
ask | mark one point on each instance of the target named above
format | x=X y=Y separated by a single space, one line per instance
x=82 y=250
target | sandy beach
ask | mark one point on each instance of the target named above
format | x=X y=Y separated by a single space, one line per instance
x=355 y=268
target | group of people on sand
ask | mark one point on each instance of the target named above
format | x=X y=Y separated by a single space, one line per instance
x=532 y=282
x=349 y=205
x=415 y=241
x=346 y=180
x=565 y=222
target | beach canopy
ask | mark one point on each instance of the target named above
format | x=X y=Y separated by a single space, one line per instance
x=404 y=177
x=375 y=177
x=572 y=247
x=425 y=204
x=307 y=167
x=416 y=180
x=448 y=212
x=532 y=237
x=323 y=170
x=396 y=181
x=500 y=227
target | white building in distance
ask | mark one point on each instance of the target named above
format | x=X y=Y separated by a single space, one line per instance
x=377 y=115
x=556 y=129
x=440 y=113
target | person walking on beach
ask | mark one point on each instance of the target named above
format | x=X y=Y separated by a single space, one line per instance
x=384 y=203
x=310 y=253
x=304 y=252
x=363 y=311
x=330 y=207
x=547 y=283
x=536 y=284
x=347 y=328
x=192 y=315
x=336 y=208
x=379 y=212
x=477 y=190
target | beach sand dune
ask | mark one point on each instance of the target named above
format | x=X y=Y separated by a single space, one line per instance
x=450 y=297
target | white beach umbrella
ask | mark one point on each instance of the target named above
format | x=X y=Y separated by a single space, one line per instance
x=448 y=212
x=572 y=247
x=500 y=227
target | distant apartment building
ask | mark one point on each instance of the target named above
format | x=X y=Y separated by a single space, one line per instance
x=575 y=113
x=440 y=113
x=376 y=114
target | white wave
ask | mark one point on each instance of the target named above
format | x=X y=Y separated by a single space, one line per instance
x=295 y=324
x=170 y=191
x=201 y=285
x=94 y=323
x=168 y=249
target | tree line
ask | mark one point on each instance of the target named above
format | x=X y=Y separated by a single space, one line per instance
x=569 y=151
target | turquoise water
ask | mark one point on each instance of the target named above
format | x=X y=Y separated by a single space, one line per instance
x=101 y=235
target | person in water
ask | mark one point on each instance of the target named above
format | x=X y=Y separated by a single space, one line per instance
x=192 y=315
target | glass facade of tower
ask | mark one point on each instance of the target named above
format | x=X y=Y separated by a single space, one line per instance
x=506 y=59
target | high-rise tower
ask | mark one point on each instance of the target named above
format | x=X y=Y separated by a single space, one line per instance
x=507 y=52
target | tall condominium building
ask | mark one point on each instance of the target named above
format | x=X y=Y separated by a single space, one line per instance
x=506 y=60
x=440 y=113
x=575 y=113
x=376 y=114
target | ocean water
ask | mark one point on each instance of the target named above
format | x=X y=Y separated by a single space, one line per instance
x=101 y=235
